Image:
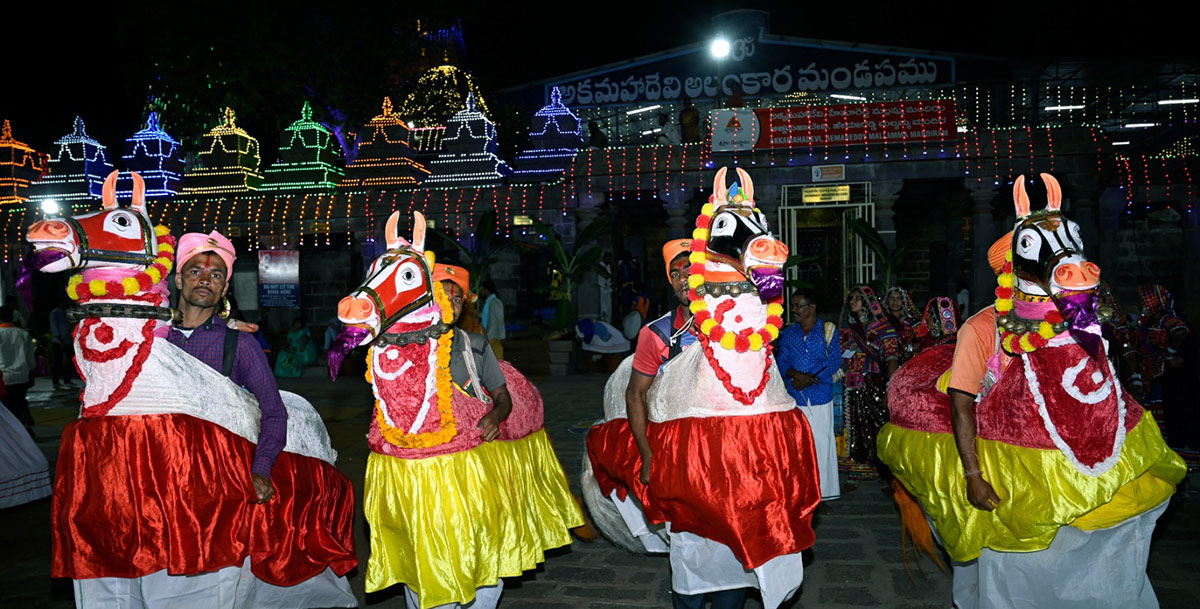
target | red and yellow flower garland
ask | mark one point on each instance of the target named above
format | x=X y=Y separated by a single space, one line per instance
x=746 y=339
x=82 y=291
x=1019 y=340
x=444 y=387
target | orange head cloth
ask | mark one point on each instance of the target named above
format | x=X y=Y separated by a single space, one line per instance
x=455 y=274
x=193 y=244
x=998 y=250
x=673 y=250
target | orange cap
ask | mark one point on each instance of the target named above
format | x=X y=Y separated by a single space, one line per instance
x=998 y=250
x=674 y=249
x=455 y=274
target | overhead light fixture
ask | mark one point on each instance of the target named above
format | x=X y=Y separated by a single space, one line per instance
x=50 y=207
x=719 y=48
x=853 y=97
x=1140 y=125
x=652 y=131
x=1121 y=143
x=646 y=109
x=1063 y=108
x=1172 y=102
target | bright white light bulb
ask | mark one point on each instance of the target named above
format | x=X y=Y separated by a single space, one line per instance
x=50 y=207
x=719 y=48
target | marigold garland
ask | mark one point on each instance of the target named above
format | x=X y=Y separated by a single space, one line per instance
x=143 y=281
x=1028 y=341
x=710 y=328
x=444 y=387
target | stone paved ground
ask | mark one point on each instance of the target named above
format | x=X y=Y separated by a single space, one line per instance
x=855 y=562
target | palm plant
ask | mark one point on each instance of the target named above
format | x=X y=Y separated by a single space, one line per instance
x=889 y=260
x=480 y=252
x=571 y=266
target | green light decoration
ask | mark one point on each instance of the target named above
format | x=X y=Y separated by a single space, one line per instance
x=309 y=157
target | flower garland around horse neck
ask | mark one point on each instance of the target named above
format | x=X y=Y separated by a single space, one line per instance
x=747 y=339
x=1019 y=336
x=444 y=387
x=142 y=281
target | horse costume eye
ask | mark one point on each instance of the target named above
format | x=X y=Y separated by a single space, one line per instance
x=408 y=276
x=122 y=224
x=1028 y=245
x=724 y=226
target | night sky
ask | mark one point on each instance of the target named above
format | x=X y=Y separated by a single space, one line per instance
x=97 y=61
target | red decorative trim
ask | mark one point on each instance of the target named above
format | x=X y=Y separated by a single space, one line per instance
x=97 y=355
x=135 y=368
x=738 y=394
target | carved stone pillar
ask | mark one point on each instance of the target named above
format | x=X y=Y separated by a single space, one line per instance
x=983 y=234
x=885 y=193
x=675 y=204
x=1084 y=191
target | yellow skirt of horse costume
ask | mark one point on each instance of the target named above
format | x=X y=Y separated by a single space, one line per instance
x=1039 y=490
x=449 y=524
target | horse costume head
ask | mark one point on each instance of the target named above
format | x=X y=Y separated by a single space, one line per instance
x=737 y=243
x=115 y=237
x=1048 y=256
x=1046 y=269
x=398 y=294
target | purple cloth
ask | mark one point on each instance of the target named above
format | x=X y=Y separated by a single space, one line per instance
x=1080 y=310
x=250 y=370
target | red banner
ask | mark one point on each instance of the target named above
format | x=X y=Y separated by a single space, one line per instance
x=876 y=124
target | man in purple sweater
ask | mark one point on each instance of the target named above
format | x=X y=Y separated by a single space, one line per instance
x=204 y=263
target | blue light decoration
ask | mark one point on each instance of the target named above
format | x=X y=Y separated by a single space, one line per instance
x=157 y=157
x=384 y=154
x=20 y=166
x=555 y=137
x=468 y=156
x=309 y=157
x=227 y=163
x=77 y=172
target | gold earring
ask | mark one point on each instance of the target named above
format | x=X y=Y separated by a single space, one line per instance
x=225 y=310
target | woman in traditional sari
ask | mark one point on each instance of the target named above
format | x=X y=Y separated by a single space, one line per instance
x=903 y=315
x=872 y=353
x=300 y=352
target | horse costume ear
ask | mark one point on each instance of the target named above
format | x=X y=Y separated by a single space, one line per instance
x=139 y=192
x=1021 y=198
x=390 y=235
x=1053 y=192
x=747 y=185
x=109 y=194
x=719 y=189
x=418 y=240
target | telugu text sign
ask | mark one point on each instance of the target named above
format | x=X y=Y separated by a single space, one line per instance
x=878 y=124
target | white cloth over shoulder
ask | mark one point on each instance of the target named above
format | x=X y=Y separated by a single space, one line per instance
x=24 y=470
x=174 y=382
x=233 y=587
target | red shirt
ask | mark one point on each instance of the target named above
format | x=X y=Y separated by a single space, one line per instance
x=652 y=352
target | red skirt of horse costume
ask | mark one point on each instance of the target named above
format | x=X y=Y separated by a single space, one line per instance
x=143 y=493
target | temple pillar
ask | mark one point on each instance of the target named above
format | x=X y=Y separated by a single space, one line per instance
x=885 y=193
x=983 y=234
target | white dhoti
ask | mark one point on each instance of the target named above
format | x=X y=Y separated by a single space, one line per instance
x=820 y=419
x=1105 y=568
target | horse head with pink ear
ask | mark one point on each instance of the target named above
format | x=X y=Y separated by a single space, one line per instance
x=1048 y=257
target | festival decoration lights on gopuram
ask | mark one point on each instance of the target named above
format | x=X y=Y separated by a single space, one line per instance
x=229 y=161
x=384 y=154
x=309 y=157
x=20 y=166
x=555 y=137
x=155 y=156
x=76 y=173
x=468 y=156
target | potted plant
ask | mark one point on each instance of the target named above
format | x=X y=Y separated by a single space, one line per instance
x=567 y=269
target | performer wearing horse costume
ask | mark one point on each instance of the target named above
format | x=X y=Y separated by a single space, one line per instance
x=1043 y=481
x=154 y=502
x=733 y=472
x=450 y=512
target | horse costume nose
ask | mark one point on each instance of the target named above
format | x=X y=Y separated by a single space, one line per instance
x=1082 y=276
x=769 y=250
x=354 y=310
x=52 y=230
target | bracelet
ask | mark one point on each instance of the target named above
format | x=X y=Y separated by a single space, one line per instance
x=973 y=472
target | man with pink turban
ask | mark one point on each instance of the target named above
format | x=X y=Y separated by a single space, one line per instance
x=204 y=263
